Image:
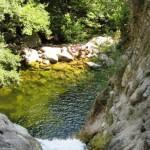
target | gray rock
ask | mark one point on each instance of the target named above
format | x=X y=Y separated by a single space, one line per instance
x=94 y=44
x=15 y=137
x=106 y=60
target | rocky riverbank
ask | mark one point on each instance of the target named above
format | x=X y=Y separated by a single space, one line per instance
x=52 y=54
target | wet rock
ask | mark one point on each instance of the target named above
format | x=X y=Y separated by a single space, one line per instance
x=15 y=137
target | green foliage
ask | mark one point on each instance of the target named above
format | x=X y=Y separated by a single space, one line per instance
x=20 y=18
x=73 y=30
x=8 y=77
x=86 y=17
x=8 y=65
x=71 y=21
x=106 y=15
x=34 y=18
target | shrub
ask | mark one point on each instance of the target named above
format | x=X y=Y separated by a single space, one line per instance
x=34 y=18
x=85 y=18
x=104 y=16
x=9 y=64
x=73 y=29
x=20 y=18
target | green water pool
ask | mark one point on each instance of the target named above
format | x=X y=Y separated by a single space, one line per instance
x=52 y=103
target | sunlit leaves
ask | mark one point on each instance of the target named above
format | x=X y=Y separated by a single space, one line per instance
x=34 y=18
x=8 y=65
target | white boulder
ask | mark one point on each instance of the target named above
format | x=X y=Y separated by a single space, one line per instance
x=75 y=50
x=65 y=55
x=93 y=45
x=51 y=53
x=104 y=57
x=30 y=55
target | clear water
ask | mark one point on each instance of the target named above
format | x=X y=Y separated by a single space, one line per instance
x=52 y=103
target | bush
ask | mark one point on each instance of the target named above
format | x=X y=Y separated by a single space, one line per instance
x=70 y=21
x=34 y=18
x=72 y=30
x=105 y=16
x=9 y=64
x=19 y=18
x=78 y=20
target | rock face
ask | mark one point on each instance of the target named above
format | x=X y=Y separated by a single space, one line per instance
x=15 y=137
x=122 y=110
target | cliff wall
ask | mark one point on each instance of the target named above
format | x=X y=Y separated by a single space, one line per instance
x=123 y=123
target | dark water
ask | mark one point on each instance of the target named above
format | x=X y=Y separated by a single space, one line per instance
x=52 y=103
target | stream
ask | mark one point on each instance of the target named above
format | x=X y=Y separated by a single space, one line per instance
x=52 y=103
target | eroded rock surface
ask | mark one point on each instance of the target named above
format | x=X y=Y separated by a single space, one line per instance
x=122 y=110
x=15 y=137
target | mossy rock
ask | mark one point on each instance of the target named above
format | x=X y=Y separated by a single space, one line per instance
x=99 y=142
x=84 y=136
x=61 y=67
x=34 y=65
x=109 y=118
